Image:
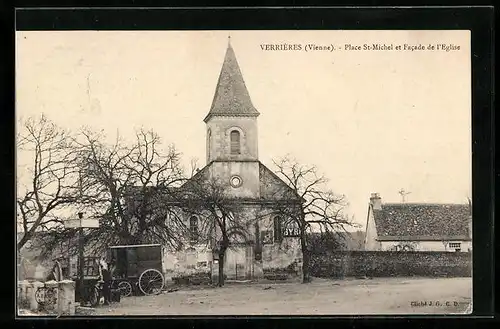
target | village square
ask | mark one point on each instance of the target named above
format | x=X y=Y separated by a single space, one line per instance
x=124 y=227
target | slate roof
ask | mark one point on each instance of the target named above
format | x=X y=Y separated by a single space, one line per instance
x=231 y=95
x=410 y=221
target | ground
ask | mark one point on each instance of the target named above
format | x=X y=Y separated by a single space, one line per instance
x=320 y=297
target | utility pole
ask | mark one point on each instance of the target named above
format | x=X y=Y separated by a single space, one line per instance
x=79 y=224
x=81 y=246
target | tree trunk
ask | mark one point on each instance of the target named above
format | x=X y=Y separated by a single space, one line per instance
x=306 y=278
x=24 y=239
x=221 y=267
x=22 y=242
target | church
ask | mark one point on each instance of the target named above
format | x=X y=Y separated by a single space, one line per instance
x=263 y=248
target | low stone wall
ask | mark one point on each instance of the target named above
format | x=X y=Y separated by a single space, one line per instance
x=49 y=297
x=388 y=264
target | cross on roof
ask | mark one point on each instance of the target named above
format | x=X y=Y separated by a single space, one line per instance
x=403 y=194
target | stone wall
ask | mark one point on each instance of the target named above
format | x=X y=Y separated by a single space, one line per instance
x=389 y=264
x=280 y=256
x=191 y=261
x=48 y=297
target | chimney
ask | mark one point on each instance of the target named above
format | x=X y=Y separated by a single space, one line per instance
x=376 y=201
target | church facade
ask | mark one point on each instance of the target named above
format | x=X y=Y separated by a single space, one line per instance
x=263 y=248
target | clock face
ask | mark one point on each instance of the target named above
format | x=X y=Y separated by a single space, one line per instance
x=235 y=181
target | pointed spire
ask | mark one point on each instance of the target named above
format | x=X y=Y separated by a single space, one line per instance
x=231 y=95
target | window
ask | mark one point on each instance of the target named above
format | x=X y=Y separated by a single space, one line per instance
x=235 y=142
x=235 y=181
x=395 y=248
x=193 y=229
x=278 y=229
x=455 y=245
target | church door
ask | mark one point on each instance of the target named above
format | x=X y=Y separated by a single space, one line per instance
x=237 y=263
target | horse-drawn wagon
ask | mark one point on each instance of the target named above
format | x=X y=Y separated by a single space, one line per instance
x=137 y=268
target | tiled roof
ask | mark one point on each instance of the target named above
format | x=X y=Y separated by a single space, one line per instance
x=231 y=95
x=271 y=186
x=407 y=221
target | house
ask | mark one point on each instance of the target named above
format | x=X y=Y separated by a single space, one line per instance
x=418 y=226
x=261 y=244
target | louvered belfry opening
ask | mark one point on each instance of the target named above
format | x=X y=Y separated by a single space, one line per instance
x=235 y=142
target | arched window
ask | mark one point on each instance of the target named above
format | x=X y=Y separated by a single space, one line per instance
x=235 y=142
x=193 y=229
x=278 y=229
x=209 y=142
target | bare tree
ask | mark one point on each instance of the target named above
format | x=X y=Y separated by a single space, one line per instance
x=210 y=200
x=127 y=188
x=51 y=179
x=319 y=209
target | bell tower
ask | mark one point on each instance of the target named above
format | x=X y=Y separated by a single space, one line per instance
x=232 y=120
x=231 y=130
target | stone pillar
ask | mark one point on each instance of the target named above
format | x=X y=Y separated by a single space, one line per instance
x=66 y=298
x=23 y=290
x=32 y=293
x=51 y=292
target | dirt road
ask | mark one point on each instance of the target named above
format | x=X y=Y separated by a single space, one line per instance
x=321 y=297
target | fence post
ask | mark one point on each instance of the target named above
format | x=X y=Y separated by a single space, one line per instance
x=52 y=303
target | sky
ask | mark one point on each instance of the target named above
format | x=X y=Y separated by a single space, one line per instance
x=370 y=121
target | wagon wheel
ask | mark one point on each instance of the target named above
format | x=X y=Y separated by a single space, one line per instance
x=125 y=288
x=151 y=282
x=40 y=295
x=95 y=296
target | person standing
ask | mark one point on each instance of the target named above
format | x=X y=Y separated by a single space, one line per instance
x=105 y=276
x=56 y=273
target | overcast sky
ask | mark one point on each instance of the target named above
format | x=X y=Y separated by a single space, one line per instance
x=371 y=121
